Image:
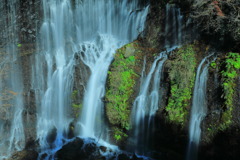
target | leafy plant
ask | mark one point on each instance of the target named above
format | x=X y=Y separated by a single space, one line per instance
x=213 y=64
x=229 y=75
x=119 y=135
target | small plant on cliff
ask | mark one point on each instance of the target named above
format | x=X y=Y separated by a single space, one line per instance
x=19 y=45
x=229 y=74
x=118 y=134
x=213 y=64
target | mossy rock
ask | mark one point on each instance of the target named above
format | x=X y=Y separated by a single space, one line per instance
x=182 y=76
x=76 y=104
x=122 y=83
x=227 y=67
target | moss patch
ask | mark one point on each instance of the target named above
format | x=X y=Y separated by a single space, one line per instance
x=76 y=105
x=121 y=82
x=182 y=77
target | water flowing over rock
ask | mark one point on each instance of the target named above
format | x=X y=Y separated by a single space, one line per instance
x=93 y=30
x=147 y=102
x=173 y=26
x=121 y=25
x=199 y=108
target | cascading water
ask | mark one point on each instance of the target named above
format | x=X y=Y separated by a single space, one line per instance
x=173 y=26
x=117 y=23
x=98 y=59
x=147 y=102
x=147 y=97
x=199 y=109
x=94 y=29
x=12 y=136
x=53 y=72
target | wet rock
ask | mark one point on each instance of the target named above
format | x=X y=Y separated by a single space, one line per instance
x=130 y=50
x=77 y=150
x=43 y=156
x=52 y=135
x=103 y=149
x=134 y=157
x=71 y=151
x=81 y=150
x=122 y=157
x=24 y=155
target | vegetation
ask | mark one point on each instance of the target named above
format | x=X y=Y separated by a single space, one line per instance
x=229 y=70
x=182 y=76
x=121 y=82
x=76 y=107
x=213 y=64
x=119 y=134
x=229 y=75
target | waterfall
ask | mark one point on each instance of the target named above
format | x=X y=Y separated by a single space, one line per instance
x=199 y=109
x=147 y=102
x=117 y=23
x=93 y=30
x=12 y=136
x=53 y=74
x=173 y=26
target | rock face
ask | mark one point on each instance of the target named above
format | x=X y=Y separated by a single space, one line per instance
x=78 y=149
x=219 y=22
x=28 y=20
x=76 y=152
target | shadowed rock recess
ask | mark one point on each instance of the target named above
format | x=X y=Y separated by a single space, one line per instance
x=119 y=79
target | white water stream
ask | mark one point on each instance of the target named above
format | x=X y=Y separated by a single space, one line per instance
x=199 y=108
x=149 y=98
x=94 y=29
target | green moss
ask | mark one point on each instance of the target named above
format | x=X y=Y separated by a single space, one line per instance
x=229 y=75
x=74 y=94
x=76 y=107
x=121 y=82
x=182 y=76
